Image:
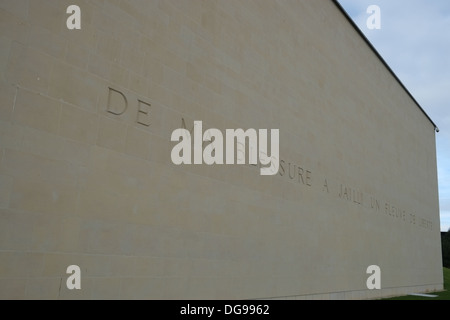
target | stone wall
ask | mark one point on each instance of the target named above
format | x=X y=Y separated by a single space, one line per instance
x=86 y=176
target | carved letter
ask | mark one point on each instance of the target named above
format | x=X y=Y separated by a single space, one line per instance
x=117 y=102
x=282 y=171
x=325 y=186
x=143 y=113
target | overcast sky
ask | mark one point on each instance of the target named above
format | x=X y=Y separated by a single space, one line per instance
x=414 y=40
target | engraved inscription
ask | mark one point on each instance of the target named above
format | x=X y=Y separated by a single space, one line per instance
x=395 y=212
x=117 y=102
x=427 y=224
x=143 y=115
x=374 y=204
x=367 y=201
x=351 y=194
x=325 y=186
x=295 y=172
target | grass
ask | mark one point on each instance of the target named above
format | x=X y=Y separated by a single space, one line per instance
x=443 y=295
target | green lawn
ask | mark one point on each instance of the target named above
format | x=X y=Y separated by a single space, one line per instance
x=444 y=295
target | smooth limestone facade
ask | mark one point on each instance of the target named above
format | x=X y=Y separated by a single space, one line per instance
x=86 y=176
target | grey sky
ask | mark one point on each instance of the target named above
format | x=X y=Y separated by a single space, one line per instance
x=414 y=40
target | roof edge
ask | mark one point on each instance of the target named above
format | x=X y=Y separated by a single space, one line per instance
x=358 y=30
